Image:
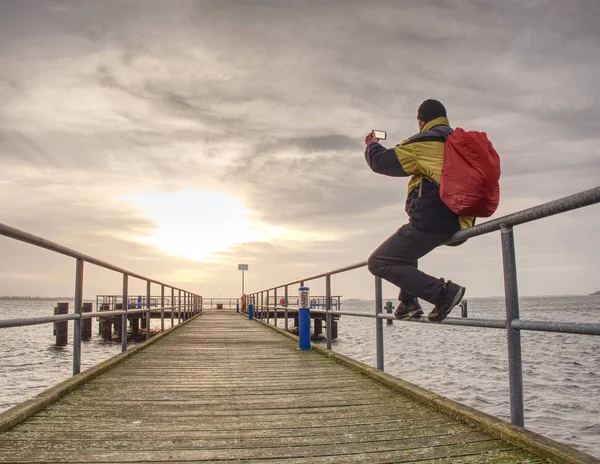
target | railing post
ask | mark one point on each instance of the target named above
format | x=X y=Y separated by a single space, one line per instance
x=285 y=295
x=328 y=316
x=172 y=305
x=125 y=307
x=511 y=295
x=162 y=308
x=275 y=306
x=77 y=322
x=379 y=322
x=262 y=305
x=148 y=287
x=179 y=307
x=268 y=306
x=303 y=319
x=464 y=309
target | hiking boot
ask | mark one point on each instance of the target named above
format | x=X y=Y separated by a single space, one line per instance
x=408 y=309
x=449 y=298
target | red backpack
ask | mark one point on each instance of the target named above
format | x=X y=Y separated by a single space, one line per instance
x=469 y=183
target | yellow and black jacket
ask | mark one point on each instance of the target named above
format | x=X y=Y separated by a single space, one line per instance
x=421 y=157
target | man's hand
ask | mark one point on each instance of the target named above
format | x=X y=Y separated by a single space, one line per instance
x=370 y=138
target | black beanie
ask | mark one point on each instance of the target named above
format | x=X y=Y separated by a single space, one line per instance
x=429 y=110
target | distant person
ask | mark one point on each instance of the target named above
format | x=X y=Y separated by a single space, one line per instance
x=430 y=223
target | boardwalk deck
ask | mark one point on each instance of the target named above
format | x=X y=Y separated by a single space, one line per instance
x=222 y=388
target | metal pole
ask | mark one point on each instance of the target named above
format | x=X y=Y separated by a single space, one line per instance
x=162 y=308
x=328 y=317
x=268 y=306
x=148 y=309
x=77 y=322
x=379 y=322
x=262 y=305
x=286 y=307
x=125 y=307
x=172 y=304
x=275 y=306
x=179 y=308
x=242 y=281
x=511 y=294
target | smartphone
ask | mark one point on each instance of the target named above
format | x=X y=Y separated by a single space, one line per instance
x=381 y=135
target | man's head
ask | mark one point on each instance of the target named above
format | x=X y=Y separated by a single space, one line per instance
x=428 y=111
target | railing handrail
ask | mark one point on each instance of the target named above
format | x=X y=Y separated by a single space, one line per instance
x=551 y=208
x=192 y=302
x=35 y=240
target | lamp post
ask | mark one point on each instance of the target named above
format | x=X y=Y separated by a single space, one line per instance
x=242 y=267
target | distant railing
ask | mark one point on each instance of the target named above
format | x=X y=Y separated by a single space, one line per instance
x=513 y=324
x=221 y=302
x=187 y=303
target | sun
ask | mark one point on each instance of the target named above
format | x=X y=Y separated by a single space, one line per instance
x=195 y=223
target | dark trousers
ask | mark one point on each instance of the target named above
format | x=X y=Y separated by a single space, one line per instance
x=396 y=260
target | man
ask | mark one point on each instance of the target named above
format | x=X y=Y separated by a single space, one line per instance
x=431 y=222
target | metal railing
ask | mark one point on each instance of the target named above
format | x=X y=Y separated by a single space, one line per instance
x=512 y=324
x=186 y=303
x=221 y=302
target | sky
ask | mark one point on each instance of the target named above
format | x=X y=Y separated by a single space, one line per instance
x=178 y=139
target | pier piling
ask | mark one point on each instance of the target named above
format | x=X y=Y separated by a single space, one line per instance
x=86 y=324
x=62 y=328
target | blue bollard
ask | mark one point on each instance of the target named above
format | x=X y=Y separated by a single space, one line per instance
x=237 y=307
x=303 y=320
x=250 y=312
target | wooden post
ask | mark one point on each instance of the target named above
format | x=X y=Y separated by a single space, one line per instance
x=334 y=329
x=118 y=320
x=135 y=325
x=62 y=328
x=318 y=325
x=106 y=325
x=86 y=324
x=103 y=307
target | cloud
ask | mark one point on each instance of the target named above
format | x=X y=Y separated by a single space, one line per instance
x=269 y=102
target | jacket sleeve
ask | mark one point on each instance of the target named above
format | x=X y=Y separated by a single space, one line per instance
x=384 y=161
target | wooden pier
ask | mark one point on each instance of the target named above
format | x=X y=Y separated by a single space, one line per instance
x=222 y=388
